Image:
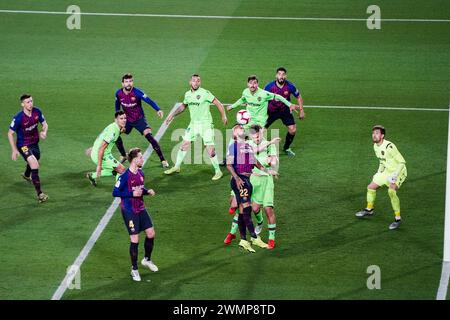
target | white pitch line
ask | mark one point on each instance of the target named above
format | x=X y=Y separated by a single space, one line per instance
x=379 y=108
x=102 y=224
x=443 y=284
x=184 y=16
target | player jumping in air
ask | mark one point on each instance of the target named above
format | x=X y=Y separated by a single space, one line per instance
x=130 y=98
x=25 y=124
x=130 y=188
x=101 y=154
x=391 y=173
x=277 y=110
x=198 y=101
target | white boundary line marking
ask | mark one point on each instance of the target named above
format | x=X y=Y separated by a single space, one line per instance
x=443 y=284
x=102 y=224
x=372 y=108
x=183 y=16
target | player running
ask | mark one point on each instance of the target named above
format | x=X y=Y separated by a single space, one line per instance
x=101 y=154
x=130 y=98
x=391 y=173
x=198 y=101
x=130 y=188
x=25 y=124
x=277 y=110
x=257 y=101
x=240 y=162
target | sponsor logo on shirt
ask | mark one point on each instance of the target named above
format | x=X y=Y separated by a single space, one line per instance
x=198 y=97
x=31 y=128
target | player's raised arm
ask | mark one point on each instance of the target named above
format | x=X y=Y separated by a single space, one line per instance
x=221 y=110
x=141 y=95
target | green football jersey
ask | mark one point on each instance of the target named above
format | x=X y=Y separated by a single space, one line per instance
x=110 y=134
x=389 y=156
x=199 y=102
x=263 y=156
x=257 y=104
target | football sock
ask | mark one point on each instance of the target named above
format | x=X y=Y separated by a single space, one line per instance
x=395 y=202
x=120 y=147
x=288 y=141
x=27 y=171
x=155 y=146
x=215 y=163
x=272 y=229
x=234 y=224
x=180 y=156
x=148 y=246
x=134 y=254
x=371 y=196
x=259 y=217
x=242 y=227
x=36 y=180
x=248 y=221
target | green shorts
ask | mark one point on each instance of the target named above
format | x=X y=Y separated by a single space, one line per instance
x=204 y=130
x=382 y=178
x=108 y=162
x=260 y=121
x=263 y=190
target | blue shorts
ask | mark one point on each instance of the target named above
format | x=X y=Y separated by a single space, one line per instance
x=284 y=114
x=140 y=125
x=136 y=222
x=245 y=194
x=31 y=150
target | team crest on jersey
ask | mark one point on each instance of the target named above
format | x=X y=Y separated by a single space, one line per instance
x=35 y=118
x=133 y=99
x=382 y=153
x=198 y=97
x=142 y=179
x=286 y=93
x=259 y=98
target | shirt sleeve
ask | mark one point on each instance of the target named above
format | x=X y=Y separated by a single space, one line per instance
x=41 y=116
x=293 y=90
x=141 y=95
x=15 y=123
x=240 y=101
x=120 y=188
x=109 y=135
x=209 y=96
x=268 y=86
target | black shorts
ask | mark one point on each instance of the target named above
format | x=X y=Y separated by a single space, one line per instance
x=31 y=150
x=140 y=125
x=136 y=222
x=284 y=114
x=245 y=194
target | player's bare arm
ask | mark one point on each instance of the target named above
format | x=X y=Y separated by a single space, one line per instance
x=221 y=110
x=179 y=110
x=301 y=115
x=43 y=133
x=15 y=152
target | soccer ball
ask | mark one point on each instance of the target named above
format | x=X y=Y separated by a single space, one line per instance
x=243 y=116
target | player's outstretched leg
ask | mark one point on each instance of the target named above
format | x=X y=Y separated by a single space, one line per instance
x=395 y=202
x=215 y=163
x=259 y=219
x=157 y=148
x=180 y=157
x=290 y=135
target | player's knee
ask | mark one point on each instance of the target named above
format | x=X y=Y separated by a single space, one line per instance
x=147 y=131
x=292 y=129
x=134 y=238
x=150 y=233
x=255 y=208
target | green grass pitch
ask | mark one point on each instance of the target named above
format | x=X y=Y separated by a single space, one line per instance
x=322 y=250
